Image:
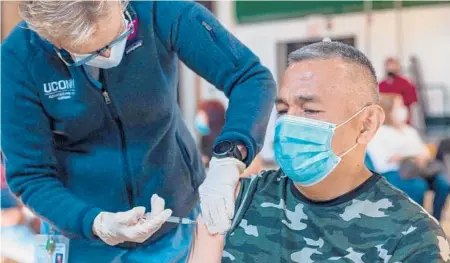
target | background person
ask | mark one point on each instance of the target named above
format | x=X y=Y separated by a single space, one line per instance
x=18 y=226
x=443 y=152
x=397 y=141
x=91 y=127
x=395 y=83
x=209 y=123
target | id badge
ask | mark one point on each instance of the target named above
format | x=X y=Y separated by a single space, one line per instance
x=52 y=249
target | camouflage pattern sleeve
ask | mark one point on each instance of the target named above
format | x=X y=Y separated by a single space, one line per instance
x=423 y=241
x=244 y=198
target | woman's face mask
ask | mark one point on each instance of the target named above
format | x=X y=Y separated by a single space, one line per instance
x=117 y=50
x=303 y=148
x=201 y=124
x=400 y=115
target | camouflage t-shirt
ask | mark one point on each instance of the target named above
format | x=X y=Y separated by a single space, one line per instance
x=375 y=222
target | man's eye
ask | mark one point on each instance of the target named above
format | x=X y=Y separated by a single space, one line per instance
x=308 y=111
x=281 y=112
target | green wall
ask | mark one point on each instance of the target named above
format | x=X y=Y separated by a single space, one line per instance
x=258 y=11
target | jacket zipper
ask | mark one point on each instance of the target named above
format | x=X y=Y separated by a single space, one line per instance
x=222 y=47
x=106 y=97
x=124 y=149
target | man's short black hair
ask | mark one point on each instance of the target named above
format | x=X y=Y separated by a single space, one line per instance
x=333 y=49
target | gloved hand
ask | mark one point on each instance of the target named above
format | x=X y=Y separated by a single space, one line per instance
x=132 y=225
x=217 y=193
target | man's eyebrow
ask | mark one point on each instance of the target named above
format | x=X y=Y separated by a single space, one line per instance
x=306 y=98
x=299 y=99
x=280 y=101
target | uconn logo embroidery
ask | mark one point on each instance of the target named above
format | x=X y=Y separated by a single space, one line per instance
x=60 y=90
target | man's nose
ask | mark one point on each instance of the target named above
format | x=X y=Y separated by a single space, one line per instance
x=106 y=53
x=295 y=111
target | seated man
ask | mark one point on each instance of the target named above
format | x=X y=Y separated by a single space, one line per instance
x=324 y=205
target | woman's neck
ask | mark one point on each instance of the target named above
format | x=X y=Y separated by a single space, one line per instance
x=400 y=126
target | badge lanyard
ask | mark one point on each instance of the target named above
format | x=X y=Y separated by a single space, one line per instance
x=52 y=247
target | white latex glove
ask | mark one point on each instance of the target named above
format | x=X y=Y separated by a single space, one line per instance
x=116 y=228
x=217 y=193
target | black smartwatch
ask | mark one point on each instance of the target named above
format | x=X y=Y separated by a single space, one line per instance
x=226 y=149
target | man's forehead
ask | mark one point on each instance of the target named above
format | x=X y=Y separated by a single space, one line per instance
x=300 y=93
x=316 y=78
x=301 y=72
x=317 y=69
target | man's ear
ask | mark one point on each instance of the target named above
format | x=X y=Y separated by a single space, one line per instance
x=374 y=118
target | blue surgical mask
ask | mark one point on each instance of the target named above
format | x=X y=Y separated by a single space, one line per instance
x=303 y=148
x=201 y=126
x=116 y=54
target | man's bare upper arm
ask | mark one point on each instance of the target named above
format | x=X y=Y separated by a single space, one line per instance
x=207 y=247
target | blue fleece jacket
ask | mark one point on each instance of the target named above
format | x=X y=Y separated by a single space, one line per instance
x=75 y=147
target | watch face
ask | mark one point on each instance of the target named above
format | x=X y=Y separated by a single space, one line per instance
x=223 y=147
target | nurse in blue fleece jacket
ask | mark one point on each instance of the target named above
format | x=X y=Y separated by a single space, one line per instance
x=92 y=131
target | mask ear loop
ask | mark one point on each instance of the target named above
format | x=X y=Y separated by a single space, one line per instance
x=349 y=150
x=349 y=119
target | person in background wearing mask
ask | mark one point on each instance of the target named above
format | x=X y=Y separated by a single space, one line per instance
x=398 y=84
x=18 y=226
x=396 y=142
x=92 y=131
x=209 y=122
x=324 y=205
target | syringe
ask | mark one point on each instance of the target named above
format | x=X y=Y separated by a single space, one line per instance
x=181 y=220
x=176 y=220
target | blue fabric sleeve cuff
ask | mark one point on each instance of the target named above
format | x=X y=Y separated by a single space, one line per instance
x=88 y=221
x=239 y=137
x=8 y=199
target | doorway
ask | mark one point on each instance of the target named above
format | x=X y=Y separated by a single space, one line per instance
x=284 y=49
